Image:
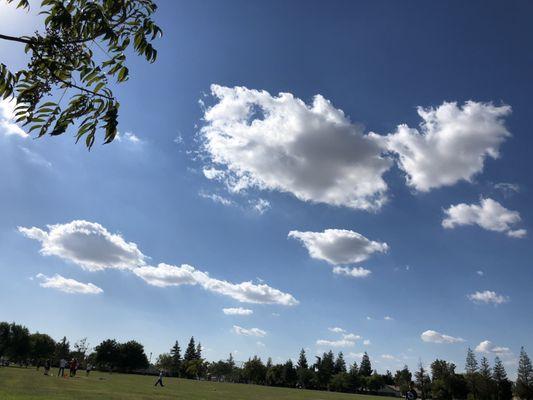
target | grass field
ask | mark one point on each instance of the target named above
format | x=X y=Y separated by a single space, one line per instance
x=22 y=383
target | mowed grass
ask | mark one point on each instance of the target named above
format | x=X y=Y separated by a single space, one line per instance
x=26 y=384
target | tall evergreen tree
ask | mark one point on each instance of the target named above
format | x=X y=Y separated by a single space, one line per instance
x=524 y=380
x=340 y=364
x=190 y=352
x=302 y=361
x=365 y=369
x=486 y=385
x=504 y=387
x=198 y=355
x=175 y=353
x=471 y=369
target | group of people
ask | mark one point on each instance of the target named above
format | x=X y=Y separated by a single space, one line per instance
x=73 y=366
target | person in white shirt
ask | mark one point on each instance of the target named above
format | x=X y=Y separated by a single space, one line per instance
x=62 y=365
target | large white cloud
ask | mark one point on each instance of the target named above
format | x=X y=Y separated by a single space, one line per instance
x=248 y=332
x=246 y=292
x=67 y=285
x=315 y=152
x=487 y=297
x=339 y=246
x=431 y=336
x=488 y=347
x=7 y=125
x=86 y=244
x=451 y=144
x=489 y=214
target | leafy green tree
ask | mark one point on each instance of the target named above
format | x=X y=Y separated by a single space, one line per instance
x=504 y=387
x=442 y=385
x=81 y=347
x=175 y=353
x=365 y=369
x=524 y=380
x=388 y=379
x=254 y=371
x=63 y=63
x=62 y=349
x=5 y=338
x=131 y=356
x=302 y=360
x=107 y=354
x=42 y=346
x=274 y=375
x=340 y=382
x=164 y=362
x=403 y=379
x=289 y=374
x=19 y=343
x=423 y=382
x=375 y=382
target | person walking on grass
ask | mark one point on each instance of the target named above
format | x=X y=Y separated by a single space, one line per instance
x=160 y=379
x=62 y=365
x=88 y=369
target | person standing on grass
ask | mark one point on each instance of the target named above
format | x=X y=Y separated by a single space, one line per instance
x=47 y=367
x=62 y=365
x=88 y=369
x=160 y=379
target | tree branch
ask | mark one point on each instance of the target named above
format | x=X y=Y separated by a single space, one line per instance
x=15 y=39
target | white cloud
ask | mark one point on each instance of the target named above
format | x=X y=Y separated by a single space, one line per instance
x=246 y=292
x=237 y=311
x=249 y=332
x=367 y=342
x=280 y=143
x=351 y=336
x=8 y=126
x=431 y=336
x=336 y=329
x=389 y=357
x=388 y=318
x=87 y=244
x=67 y=285
x=129 y=137
x=338 y=246
x=261 y=206
x=489 y=215
x=480 y=272
x=488 y=297
x=488 y=347
x=356 y=355
x=260 y=344
x=450 y=145
x=357 y=272
x=335 y=343
x=216 y=198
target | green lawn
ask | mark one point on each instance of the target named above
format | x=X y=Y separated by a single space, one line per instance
x=21 y=383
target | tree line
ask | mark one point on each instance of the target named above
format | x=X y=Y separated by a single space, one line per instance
x=480 y=381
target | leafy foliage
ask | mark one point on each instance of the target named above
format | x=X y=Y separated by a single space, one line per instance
x=63 y=60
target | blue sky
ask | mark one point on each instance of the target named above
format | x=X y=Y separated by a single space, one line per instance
x=424 y=224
